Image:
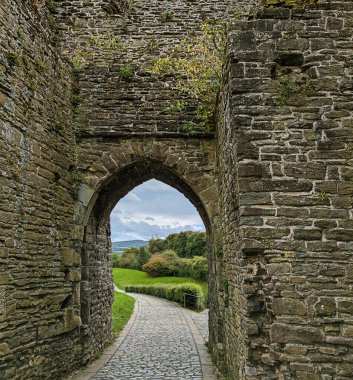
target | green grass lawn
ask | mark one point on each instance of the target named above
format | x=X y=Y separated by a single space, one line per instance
x=123 y=307
x=124 y=277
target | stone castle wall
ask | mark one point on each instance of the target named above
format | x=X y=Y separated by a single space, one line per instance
x=273 y=184
x=38 y=287
x=286 y=183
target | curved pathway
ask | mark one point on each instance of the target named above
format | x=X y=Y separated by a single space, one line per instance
x=162 y=341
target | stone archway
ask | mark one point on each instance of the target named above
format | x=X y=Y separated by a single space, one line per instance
x=121 y=166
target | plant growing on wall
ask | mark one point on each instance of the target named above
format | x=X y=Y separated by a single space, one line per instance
x=126 y=72
x=196 y=63
x=98 y=42
x=293 y=86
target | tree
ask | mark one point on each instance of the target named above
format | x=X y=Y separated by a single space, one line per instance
x=132 y=258
x=155 y=245
x=188 y=244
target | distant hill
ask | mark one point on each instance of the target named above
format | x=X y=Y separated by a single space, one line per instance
x=119 y=246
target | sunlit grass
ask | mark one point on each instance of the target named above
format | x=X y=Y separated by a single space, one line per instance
x=123 y=307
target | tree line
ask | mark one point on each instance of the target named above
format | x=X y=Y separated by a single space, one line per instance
x=182 y=254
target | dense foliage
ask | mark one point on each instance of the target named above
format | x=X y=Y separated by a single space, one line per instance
x=183 y=254
x=168 y=263
x=190 y=293
x=132 y=258
x=187 y=244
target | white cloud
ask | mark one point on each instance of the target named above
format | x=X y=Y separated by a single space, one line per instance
x=153 y=209
x=132 y=197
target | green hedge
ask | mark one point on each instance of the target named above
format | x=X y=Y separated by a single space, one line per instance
x=194 y=296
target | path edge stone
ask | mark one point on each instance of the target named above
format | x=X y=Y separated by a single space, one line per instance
x=88 y=372
x=207 y=367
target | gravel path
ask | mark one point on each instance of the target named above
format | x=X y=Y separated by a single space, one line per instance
x=162 y=341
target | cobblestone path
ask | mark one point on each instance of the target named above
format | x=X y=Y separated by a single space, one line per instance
x=165 y=342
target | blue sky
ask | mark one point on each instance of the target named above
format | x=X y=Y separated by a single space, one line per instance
x=153 y=209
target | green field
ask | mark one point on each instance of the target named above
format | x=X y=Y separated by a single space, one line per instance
x=123 y=307
x=125 y=277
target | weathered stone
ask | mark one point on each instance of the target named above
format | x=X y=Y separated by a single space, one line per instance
x=282 y=333
x=275 y=180
x=288 y=306
x=278 y=269
x=348 y=331
x=4 y=349
x=290 y=59
x=71 y=258
x=301 y=375
x=325 y=307
x=306 y=234
x=296 y=349
x=345 y=306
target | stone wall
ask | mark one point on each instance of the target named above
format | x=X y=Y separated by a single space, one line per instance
x=38 y=289
x=115 y=105
x=286 y=188
x=274 y=188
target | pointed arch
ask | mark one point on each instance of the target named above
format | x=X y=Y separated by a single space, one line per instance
x=136 y=173
x=96 y=275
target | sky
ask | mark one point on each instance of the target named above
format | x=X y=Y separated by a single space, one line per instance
x=153 y=209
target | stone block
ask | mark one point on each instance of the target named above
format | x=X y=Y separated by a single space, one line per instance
x=290 y=59
x=289 y=306
x=308 y=171
x=245 y=41
x=85 y=195
x=345 y=306
x=255 y=199
x=339 y=235
x=298 y=44
x=278 y=269
x=4 y=278
x=348 y=331
x=73 y=275
x=295 y=349
x=303 y=375
x=70 y=257
x=273 y=13
x=286 y=333
x=4 y=349
x=325 y=307
x=250 y=170
x=306 y=234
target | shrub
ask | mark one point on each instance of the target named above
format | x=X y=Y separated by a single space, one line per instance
x=185 y=267
x=116 y=259
x=157 y=266
x=199 y=268
x=162 y=264
x=193 y=294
